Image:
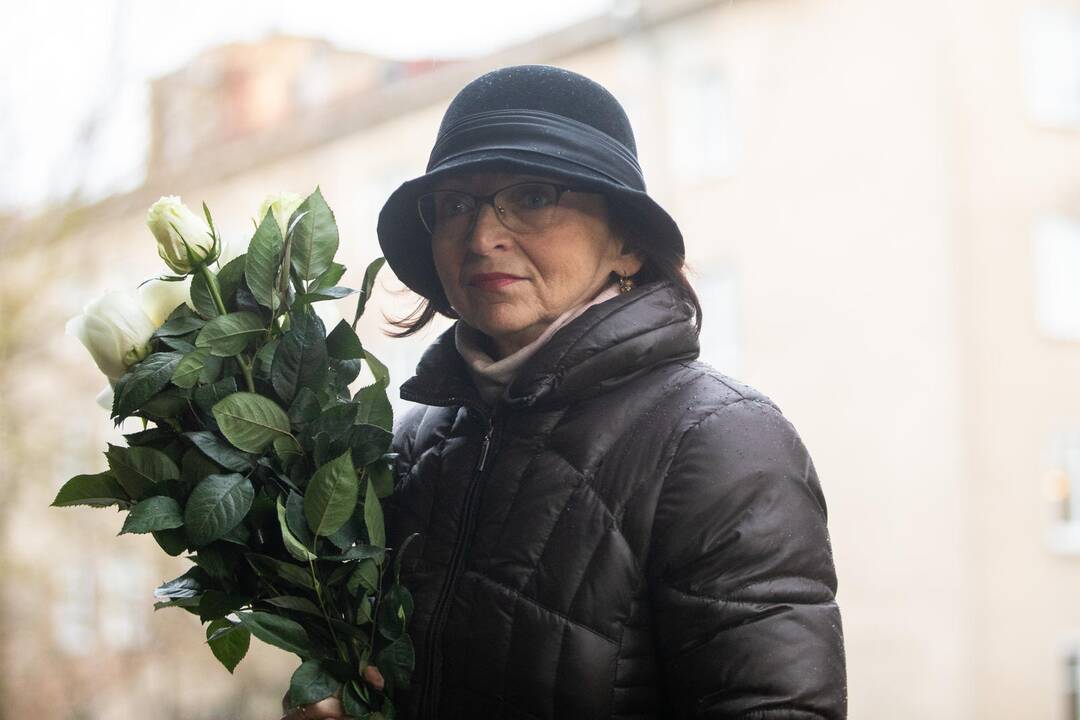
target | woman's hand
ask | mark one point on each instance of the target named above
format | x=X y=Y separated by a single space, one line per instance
x=331 y=707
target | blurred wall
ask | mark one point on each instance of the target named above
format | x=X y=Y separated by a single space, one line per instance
x=880 y=202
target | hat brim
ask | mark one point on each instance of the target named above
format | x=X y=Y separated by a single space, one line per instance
x=406 y=243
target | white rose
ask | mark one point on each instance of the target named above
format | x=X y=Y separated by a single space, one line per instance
x=158 y=298
x=115 y=330
x=173 y=225
x=283 y=205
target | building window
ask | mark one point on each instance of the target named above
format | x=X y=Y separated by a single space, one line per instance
x=702 y=126
x=1061 y=488
x=1051 y=45
x=1072 y=685
x=718 y=291
x=1057 y=266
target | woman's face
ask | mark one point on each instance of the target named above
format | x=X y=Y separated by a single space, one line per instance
x=511 y=285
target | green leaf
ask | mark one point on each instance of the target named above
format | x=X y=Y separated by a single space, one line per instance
x=331 y=293
x=142 y=382
x=294 y=516
x=331 y=495
x=395 y=609
x=99 y=490
x=263 y=264
x=230 y=276
x=228 y=642
x=292 y=544
x=217 y=505
x=354 y=705
x=139 y=469
x=365 y=576
x=329 y=278
x=190 y=367
x=350 y=533
x=169 y=403
x=212 y=446
x=250 y=421
x=287 y=450
x=396 y=663
x=264 y=358
x=293 y=602
x=343 y=344
x=178 y=344
x=277 y=631
x=173 y=542
x=363 y=612
x=314 y=238
x=368 y=442
x=215 y=604
x=378 y=370
x=207 y=396
x=179 y=326
x=373 y=516
x=374 y=407
x=366 y=287
x=305 y=407
x=228 y=335
x=218 y=559
x=201 y=297
x=211 y=371
x=274 y=568
x=358 y=552
x=381 y=476
x=300 y=360
x=400 y=555
x=311 y=683
x=154 y=513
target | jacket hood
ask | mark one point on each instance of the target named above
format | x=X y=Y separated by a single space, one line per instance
x=606 y=346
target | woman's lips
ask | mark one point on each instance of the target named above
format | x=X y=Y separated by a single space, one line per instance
x=492 y=281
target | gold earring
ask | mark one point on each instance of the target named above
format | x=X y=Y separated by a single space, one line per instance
x=626 y=284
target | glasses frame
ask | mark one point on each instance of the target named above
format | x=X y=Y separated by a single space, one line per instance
x=489 y=199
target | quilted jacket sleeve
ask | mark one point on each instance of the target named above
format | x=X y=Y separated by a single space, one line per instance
x=743 y=583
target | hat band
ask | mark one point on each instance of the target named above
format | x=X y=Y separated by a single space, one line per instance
x=541 y=133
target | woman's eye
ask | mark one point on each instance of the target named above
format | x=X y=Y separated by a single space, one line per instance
x=453 y=207
x=533 y=198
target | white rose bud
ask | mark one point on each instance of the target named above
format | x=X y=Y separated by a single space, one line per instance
x=283 y=205
x=115 y=330
x=173 y=224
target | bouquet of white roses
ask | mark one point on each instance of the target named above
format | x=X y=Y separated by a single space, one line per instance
x=255 y=459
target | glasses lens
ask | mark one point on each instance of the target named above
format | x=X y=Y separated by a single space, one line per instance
x=445 y=212
x=527 y=207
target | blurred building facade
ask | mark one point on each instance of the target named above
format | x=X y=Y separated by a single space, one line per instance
x=881 y=203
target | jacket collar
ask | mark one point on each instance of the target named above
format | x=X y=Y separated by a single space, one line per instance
x=604 y=347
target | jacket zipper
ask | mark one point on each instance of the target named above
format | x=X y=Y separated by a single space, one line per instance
x=429 y=697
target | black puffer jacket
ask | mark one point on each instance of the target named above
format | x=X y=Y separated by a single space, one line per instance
x=628 y=534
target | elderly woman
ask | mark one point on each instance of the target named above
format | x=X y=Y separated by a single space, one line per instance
x=608 y=528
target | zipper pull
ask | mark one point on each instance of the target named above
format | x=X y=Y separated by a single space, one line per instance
x=484 y=447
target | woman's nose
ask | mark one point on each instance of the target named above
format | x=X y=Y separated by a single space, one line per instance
x=488 y=232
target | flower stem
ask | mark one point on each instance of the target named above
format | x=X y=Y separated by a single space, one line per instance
x=215 y=293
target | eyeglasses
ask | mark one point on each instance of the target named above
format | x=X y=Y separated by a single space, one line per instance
x=526 y=207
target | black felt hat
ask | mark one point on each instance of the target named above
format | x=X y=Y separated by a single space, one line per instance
x=530 y=119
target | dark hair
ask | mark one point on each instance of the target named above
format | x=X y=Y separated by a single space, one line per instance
x=660 y=262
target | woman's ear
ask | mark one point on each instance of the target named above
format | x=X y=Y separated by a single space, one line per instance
x=628 y=262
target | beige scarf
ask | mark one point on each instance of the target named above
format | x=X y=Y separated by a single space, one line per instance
x=489 y=375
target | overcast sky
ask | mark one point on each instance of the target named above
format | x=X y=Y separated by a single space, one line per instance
x=62 y=57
